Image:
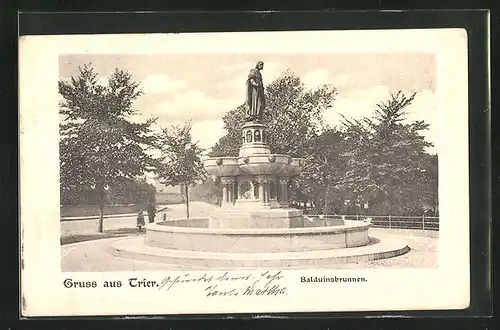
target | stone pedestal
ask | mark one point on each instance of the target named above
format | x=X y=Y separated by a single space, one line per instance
x=254 y=140
x=226 y=218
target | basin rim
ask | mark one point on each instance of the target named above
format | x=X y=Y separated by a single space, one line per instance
x=349 y=226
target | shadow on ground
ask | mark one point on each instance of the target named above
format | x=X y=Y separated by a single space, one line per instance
x=121 y=232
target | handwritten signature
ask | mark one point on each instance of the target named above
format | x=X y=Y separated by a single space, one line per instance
x=230 y=284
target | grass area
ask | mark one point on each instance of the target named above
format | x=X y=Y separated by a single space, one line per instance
x=109 y=212
x=122 y=232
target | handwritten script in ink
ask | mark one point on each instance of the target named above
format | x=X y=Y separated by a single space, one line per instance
x=265 y=283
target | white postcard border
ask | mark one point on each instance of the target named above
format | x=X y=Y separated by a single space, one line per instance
x=43 y=292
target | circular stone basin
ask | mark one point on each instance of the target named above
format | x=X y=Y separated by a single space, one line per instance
x=176 y=235
x=265 y=164
x=222 y=166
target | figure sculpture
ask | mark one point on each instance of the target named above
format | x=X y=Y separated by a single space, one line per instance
x=255 y=99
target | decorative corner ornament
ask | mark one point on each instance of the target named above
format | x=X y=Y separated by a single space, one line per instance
x=272 y=158
x=219 y=161
x=246 y=159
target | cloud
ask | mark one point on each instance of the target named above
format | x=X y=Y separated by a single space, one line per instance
x=207 y=132
x=239 y=72
x=272 y=70
x=243 y=66
x=161 y=83
x=319 y=77
x=234 y=87
x=349 y=108
x=316 y=78
x=372 y=95
x=361 y=103
x=357 y=104
x=425 y=107
x=425 y=103
x=340 y=80
x=193 y=105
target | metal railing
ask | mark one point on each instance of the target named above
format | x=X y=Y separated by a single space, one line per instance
x=388 y=221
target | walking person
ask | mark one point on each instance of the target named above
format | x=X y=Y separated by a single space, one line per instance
x=140 y=220
x=151 y=212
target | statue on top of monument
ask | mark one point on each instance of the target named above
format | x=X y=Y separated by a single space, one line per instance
x=255 y=99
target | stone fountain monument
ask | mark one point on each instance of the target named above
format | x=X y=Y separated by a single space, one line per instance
x=255 y=227
x=255 y=184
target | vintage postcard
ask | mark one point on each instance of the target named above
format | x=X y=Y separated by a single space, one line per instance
x=256 y=172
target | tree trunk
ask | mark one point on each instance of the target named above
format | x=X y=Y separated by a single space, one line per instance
x=182 y=189
x=327 y=197
x=187 y=200
x=101 y=208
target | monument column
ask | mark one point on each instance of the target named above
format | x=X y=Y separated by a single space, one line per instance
x=265 y=188
x=232 y=187
x=262 y=189
x=228 y=190
x=224 y=193
x=267 y=191
x=284 y=190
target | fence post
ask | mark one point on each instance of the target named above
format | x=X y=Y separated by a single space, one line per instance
x=390 y=223
x=357 y=217
x=423 y=222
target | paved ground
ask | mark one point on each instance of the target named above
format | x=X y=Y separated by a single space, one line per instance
x=423 y=254
x=177 y=211
x=97 y=255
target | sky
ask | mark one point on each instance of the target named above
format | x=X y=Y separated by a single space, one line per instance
x=202 y=87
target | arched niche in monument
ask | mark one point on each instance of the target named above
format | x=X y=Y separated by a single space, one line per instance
x=245 y=190
x=257 y=136
x=249 y=136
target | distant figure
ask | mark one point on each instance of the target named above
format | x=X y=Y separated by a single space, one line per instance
x=255 y=99
x=151 y=212
x=140 y=220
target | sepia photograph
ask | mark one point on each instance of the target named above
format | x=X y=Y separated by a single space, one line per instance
x=226 y=160
x=263 y=166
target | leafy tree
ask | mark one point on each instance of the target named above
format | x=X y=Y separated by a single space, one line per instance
x=99 y=143
x=322 y=171
x=181 y=161
x=387 y=162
